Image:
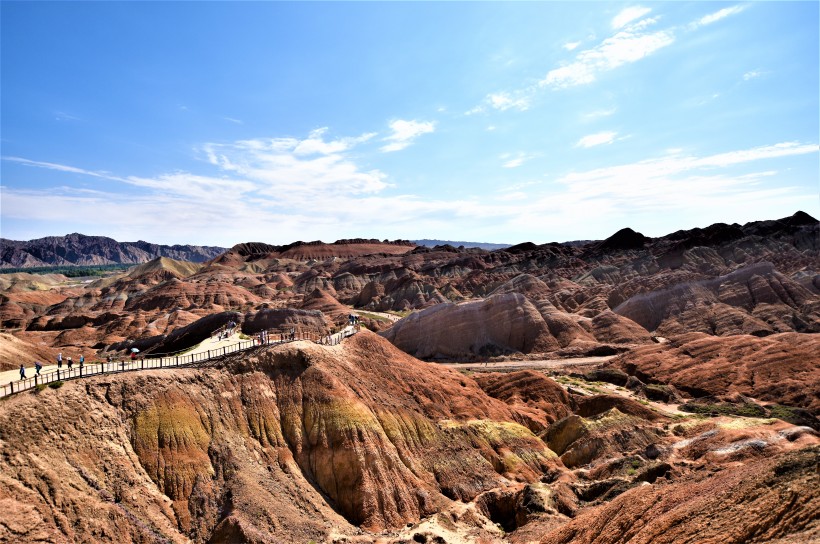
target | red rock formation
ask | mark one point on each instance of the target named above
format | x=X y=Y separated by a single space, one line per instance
x=782 y=368
x=769 y=500
x=264 y=449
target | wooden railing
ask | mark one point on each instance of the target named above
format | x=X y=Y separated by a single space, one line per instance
x=166 y=360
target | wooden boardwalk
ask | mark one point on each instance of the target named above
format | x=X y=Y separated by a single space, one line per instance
x=164 y=360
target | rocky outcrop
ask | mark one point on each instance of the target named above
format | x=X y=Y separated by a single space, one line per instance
x=781 y=368
x=753 y=300
x=284 y=319
x=537 y=401
x=767 y=500
x=498 y=325
x=267 y=448
x=504 y=324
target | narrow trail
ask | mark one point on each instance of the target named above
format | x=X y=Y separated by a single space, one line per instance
x=538 y=364
x=210 y=349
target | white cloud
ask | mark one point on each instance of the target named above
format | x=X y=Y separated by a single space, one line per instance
x=234 y=120
x=262 y=190
x=597 y=114
x=627 y=15
x=627 y=46
x=631 y=179
x=599 y=138
x=570 y=46
x=504 y=101
x=63 y=116
x=752 y=74
x=62 y=168
x=717 y=16
x=315 y=143
x=514 y=160
x=405 y=132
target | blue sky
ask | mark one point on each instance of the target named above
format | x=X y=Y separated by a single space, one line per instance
x=218 y=123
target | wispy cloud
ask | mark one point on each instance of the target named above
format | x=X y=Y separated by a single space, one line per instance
x=599 y=138
x=571 y=46
x=518 y=100
x=632 y=178
x=717 y=16
x=504 y=101
x=234 y=121
x=63 y=116
x=627 y=46
x=293 y=170
x=628 y=15
x=405 y=132
x=261 y=189
x=752 y=74
x=514 y=160
x=598 y=114
x=62 y=168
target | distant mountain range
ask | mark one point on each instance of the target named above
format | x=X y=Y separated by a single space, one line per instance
x=81 y=250
x=482 y=245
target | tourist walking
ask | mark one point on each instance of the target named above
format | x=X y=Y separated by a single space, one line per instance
x=37 y=367
x=82 y=359
x=60 y=360
x=70 y=362
x=22 y=372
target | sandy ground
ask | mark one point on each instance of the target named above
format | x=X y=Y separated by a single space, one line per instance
x=538 y=364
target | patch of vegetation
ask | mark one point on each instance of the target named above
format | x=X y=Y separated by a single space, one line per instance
x=243 y=336
x=39 y=387
x=71 y=271
x=748 y=409
x=795 y=416
x=56 y=385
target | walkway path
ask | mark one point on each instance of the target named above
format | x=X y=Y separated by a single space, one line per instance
x=207 y=350
x=533 y=364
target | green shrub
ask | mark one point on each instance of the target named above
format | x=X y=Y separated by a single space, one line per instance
x=56 y=385
x=748 y=409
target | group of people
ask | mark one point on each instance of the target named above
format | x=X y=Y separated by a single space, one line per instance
x=38 y=366
x=227 y=331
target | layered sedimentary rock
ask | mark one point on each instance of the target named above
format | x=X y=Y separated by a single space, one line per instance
x=503 y=324
x=781 y=368
x=767 y=500
x=267 y=448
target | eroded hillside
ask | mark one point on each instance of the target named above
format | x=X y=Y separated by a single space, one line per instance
x=360 y=443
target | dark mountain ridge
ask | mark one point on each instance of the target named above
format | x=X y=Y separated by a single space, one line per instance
x=79 y=249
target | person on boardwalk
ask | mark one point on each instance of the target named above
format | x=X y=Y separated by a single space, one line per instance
x=70 y=362
x=22 y=372
x=60 y=360
x=37 y=367
x=82 y=360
